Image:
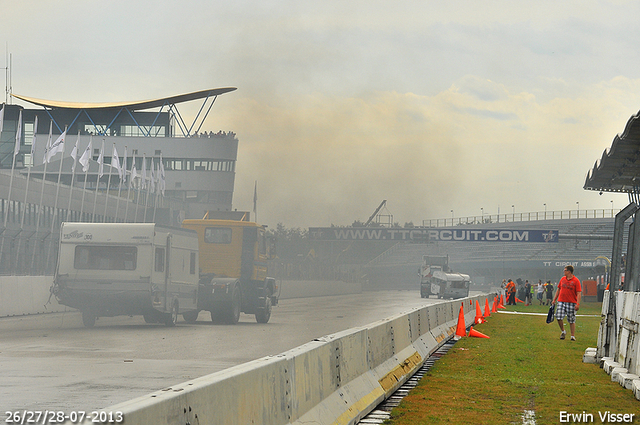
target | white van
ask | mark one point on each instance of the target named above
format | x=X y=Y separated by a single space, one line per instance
x=112 y=269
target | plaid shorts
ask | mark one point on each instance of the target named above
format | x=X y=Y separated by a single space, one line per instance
x=566 y=309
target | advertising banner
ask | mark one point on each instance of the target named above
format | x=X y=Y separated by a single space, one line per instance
x=430 y=234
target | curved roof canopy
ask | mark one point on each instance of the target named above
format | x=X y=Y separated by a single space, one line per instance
x=619 y=168
x=132 y=106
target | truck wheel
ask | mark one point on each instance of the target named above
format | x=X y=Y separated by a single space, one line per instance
x=216 y=316
x=232 y=315
x=264 y=313
x=190 y=316
x=172 y=318
x=149 y=318
x=88 y=319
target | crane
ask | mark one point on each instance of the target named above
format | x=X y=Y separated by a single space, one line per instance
x=382 y=204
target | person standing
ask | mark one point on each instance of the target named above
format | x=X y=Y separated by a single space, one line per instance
x=511 y=293
x=568 y=298
x=540 y=291
x=548 y=288
x=527 y=292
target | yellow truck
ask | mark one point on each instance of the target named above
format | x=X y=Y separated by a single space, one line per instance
x=233 y=269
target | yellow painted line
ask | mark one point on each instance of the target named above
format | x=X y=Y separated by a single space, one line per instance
x=392 y=378
x=359 y=406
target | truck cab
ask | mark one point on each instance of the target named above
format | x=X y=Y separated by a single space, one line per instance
x=233 y=269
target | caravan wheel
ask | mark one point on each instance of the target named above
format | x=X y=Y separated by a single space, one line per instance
x=190 y=316
x=88 y=319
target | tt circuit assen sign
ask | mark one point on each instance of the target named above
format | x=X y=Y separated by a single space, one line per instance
x=432 y=235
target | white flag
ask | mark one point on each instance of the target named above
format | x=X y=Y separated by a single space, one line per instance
x=33 y=141
x=47 y=147
x=158 y=184
x=86 y=156
x=115 y=161
x=162 y=181
x=144 y=172
x=74 y=155
x=101 y=161
x=134 y=173
x=57 y=146
x=152 y=182
x=16 y=151
x=124 y=166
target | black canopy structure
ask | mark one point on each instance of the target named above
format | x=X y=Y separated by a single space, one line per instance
x=619 y=168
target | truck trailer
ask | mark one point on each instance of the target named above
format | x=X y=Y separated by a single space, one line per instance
x=436 y=278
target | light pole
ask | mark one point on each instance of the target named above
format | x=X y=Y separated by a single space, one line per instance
x=545 y=211
x=482 y=214
x=612 y=208
x=578 y=208
x=452 y=217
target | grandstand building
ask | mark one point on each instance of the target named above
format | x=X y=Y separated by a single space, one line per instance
x=585 y=243
x=198 y=169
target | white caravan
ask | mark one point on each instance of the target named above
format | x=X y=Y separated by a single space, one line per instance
x=112 y=269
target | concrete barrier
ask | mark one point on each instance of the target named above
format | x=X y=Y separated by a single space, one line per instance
x=336 y=379
x=618 y=342
x=20 y=295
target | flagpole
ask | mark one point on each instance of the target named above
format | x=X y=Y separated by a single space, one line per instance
x=104 y=217
x=85 y=168
x=133 y=166
x=155 y=194
x=143 y=177
x=146 y=202
x=55 y=204
x=100 y=168
x=13 y=165
x=122 y=170
x=255 y=201
x=73 y=175
x=44 y=178
x=26 y=191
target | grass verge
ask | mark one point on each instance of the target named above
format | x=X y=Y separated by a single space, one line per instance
x=523 y=366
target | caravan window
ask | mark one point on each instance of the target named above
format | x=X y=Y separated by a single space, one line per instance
x=217 y=235
x=98 y=257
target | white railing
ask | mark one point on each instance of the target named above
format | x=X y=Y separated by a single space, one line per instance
x=517 y=217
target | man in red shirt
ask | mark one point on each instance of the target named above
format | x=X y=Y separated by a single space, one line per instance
x=568 y=297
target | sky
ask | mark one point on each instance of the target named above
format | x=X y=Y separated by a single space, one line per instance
x=443 y=109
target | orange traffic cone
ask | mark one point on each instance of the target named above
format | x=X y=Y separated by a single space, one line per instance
x=519 y=300
x=502 y=300
x=476 y=334
x=470 y=302
x=479 y=318
x=493 y=307
x=607 y=288
x=500 y=305
x=461 y=329
x=487 y=312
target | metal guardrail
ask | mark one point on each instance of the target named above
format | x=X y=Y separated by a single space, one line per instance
x=518 y=217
